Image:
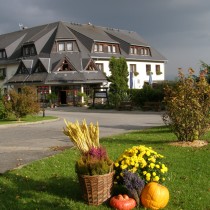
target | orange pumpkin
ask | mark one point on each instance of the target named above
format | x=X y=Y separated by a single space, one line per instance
x=154 y=196
x=122 y=202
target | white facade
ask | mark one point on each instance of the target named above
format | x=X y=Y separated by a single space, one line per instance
x=142 y=77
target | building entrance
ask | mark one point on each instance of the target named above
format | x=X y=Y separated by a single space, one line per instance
x=63 y=97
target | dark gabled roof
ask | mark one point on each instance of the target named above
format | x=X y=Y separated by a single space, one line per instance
x=28 y=63
x=64 y=77
x=44 y=37
x=130 y=37
x=85 y=35
x=63 y=32
x=92 y=32
x=94 y=76
x=88 y=61
x=37 y=77
x=73 y=58
x=18 y=78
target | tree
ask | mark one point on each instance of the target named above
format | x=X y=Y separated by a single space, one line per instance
x=23 y=103
x=188 y=106
x=118 y=87
x=206 y=67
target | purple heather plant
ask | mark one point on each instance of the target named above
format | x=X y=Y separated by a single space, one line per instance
x=134 y=184
x=98 y=153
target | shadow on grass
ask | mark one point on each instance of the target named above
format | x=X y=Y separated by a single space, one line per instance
x=27 y=193
x=159 y=135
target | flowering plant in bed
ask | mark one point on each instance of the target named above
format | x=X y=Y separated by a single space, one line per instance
x=143 y=161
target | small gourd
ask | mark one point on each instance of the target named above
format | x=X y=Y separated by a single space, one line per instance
x=154 y=196
x=122 y=202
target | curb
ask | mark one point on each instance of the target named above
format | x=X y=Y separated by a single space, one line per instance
x=27 y=123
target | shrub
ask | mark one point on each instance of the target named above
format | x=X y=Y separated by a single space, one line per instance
x=147 y=93
x=2 y=110
x=22 y=104
x=187 y=107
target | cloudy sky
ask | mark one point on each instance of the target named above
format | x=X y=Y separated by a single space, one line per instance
x=178 y=29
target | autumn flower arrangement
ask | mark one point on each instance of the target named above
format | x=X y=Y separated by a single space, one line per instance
x=143 y=161
x=93 y=167
x=93 y=159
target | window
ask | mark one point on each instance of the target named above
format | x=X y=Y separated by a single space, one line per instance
x=158 y=71
x=61 y=47
x=29 y=50
x=66 y=66
x=146 y=51
x=2 y=54
x=132 y=68
x=69 y=46
x=114 y=49
x=2 y=73
x=95 y=48
x=109 y=48
x=148 y=69
x=100 y=66
x=132 y=50
x=65 y=46
x=137 y=50
x=98 y=48
x=32 y=51
x=26 y=51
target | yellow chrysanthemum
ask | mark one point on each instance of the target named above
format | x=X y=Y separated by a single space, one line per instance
x=148 y=178
x=117 y=164
x=144 y=172
x=156 y=178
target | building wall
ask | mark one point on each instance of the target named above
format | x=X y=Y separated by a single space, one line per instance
x=138 y=81
x=10 y=71
x=142 y=77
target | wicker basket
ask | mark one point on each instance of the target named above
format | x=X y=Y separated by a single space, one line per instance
x=96 y=189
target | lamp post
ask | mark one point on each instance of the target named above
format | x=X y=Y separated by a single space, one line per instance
x=43 y=103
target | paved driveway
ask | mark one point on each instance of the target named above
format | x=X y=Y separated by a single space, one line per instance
x=25 y=143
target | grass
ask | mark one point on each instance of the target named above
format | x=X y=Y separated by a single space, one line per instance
x=28 y=118
x=51 y=183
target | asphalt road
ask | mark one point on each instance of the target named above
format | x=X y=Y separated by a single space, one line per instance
x=22 y=144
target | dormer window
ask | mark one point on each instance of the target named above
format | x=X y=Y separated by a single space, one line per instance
x=112 y=48
x=2 y=54
x=29 y=50
x=66 y=66
x=2 y=73
x=98 y=48
x=138 y=50
x=65 y=46
x=69 y=46
x=61 y=47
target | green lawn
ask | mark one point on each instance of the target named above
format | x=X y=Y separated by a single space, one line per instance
x=29 y=118
x=51 y=183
